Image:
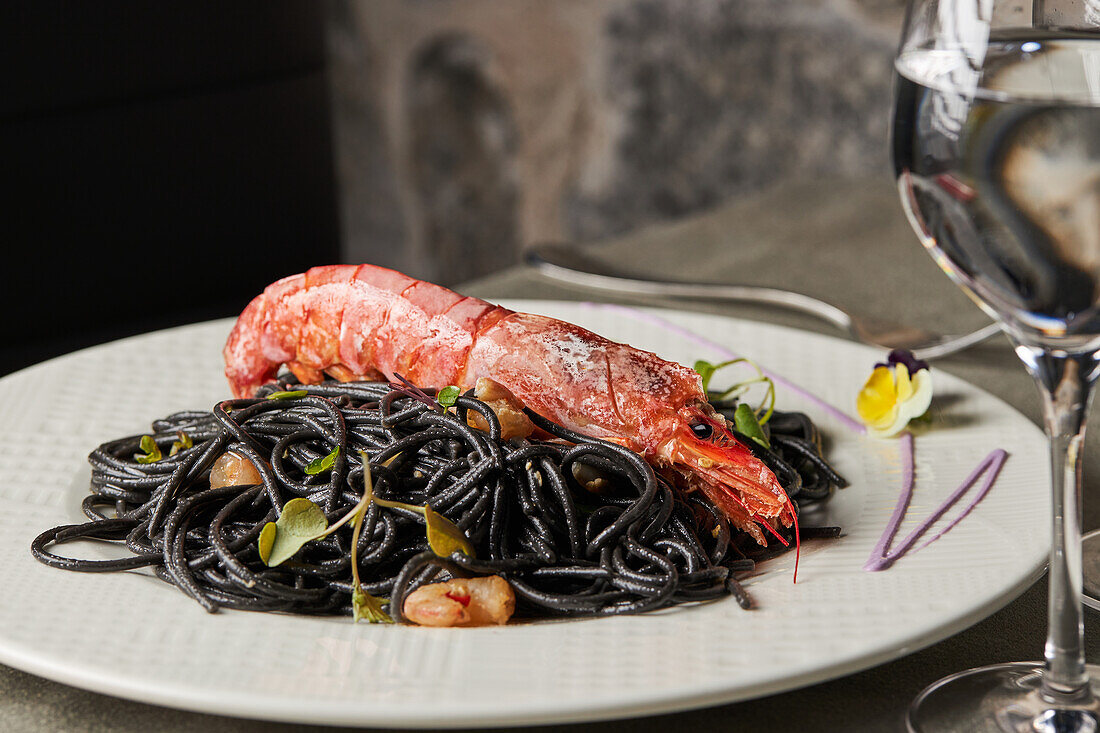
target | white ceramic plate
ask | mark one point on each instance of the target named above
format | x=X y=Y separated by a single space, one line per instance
x=129 y=635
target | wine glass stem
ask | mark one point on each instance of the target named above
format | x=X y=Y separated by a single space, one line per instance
x=1066 y=382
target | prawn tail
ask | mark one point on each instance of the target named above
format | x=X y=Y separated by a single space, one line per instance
x=354 y=322
x=246 y=367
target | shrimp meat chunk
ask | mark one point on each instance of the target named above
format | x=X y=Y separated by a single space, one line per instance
x=232 y=470
x=487 y=601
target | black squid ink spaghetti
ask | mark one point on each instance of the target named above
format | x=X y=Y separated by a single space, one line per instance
x=575 y=525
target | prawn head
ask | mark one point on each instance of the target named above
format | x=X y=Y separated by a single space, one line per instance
x=709 y=457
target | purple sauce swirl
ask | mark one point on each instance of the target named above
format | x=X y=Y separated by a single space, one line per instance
x=882 y=556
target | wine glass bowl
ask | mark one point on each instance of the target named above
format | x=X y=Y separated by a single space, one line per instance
x=996 y=148
x=1001 y=180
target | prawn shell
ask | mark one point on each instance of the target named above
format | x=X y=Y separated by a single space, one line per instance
x=365 y=321
x=584 y=381
x=369 y=320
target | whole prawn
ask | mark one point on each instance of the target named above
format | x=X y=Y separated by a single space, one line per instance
x=366 y=322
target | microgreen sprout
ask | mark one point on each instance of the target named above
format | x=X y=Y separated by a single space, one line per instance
x=363 y=604
x=322 y=463
x=288 y=394
x=150 y=450
x=448 y=396
x=763 y=413
x=444 y=536
x=182 y=442
x=744 y=419
x=706 y=370
x=301 y=521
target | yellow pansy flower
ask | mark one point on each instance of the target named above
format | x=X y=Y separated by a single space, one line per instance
x=894 y=394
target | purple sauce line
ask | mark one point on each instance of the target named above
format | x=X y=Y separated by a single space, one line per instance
x=655 y=320
x=878 y=557
x=881 y=557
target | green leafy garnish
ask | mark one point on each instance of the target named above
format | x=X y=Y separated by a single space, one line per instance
x=182 y=442
x=744 y=418
x=287 y=394
x=448 y=396
x=266 y=541
x=300 y=522
x=706 y=370
x=444 y=536
x=324 y=463
x=150 y=450
x=364 y=606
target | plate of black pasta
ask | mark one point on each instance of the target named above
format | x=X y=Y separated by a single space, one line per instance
x=628 y=597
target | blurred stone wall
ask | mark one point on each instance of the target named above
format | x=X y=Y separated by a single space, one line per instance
x=468 y=129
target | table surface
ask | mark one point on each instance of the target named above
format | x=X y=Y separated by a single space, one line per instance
x=846 y=242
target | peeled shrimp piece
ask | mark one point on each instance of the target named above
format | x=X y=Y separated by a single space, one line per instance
x=514 y=422
x=233 y=470
x=484 y=601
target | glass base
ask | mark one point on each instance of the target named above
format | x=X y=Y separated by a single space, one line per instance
x=1090 y=568
x=1004 y=698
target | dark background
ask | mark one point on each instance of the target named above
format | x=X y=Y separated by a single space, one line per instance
x=163 y=163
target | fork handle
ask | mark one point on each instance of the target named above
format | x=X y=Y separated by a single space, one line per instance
x=702 y=291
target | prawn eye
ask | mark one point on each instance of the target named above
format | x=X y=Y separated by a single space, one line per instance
x=702 y=430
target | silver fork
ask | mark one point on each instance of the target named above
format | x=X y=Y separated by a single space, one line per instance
x=572 y=265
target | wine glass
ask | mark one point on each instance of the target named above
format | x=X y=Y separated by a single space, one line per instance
x=996 y=147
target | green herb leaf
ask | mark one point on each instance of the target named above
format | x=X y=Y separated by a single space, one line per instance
x=287 y=395
x=444 y=536
x=744 y=418
x=183 y=442
x=320 y=465
x=300 y=522
x=706 y=371
x=448 y=396
x=151 y=451
x=363 y=604
x=266 y=541
x=366 y=606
